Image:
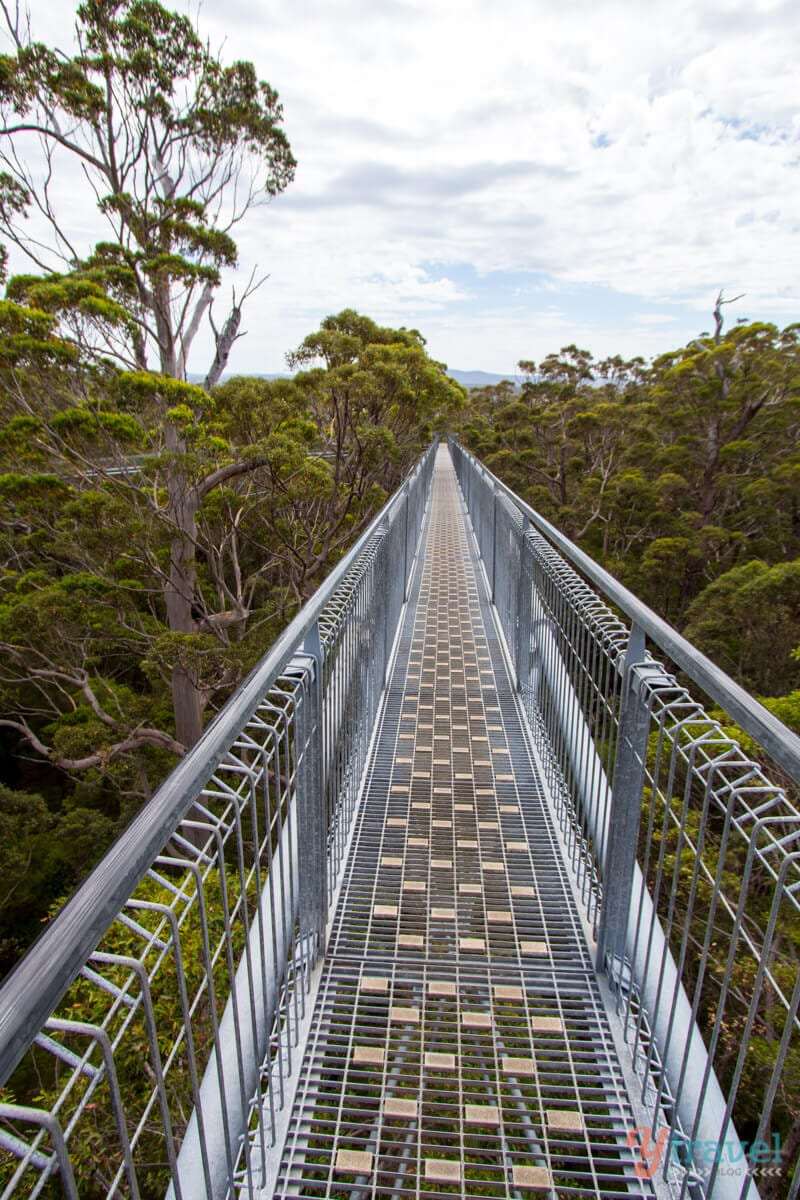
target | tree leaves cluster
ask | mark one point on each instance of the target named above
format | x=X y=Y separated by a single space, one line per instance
x=176 y=147
x=279 y=476
x=156 y=535
x=682 y=477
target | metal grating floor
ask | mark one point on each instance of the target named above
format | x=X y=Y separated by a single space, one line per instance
x=459 y=1042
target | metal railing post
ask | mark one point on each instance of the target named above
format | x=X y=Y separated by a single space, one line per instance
x=624 y=813
x=494 y=539
x=522 y=648
x=405 y=544
x=312 y=823
x=385 y=594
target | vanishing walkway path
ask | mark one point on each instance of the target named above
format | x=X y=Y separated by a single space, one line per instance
x=459 y=1042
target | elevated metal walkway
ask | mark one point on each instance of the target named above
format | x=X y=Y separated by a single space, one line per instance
x=459 y=1042
x=462 y=893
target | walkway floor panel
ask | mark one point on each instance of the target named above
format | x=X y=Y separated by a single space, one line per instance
x=459 y=1043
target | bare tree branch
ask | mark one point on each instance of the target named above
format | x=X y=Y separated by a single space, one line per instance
x=718 y=317
x=140 y=737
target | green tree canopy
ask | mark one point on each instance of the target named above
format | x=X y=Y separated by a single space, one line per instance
x=748 y=621
x=670 y=475
x=276 y=479
x=177 y=147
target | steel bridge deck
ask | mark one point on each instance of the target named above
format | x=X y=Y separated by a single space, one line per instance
x=459 y=1042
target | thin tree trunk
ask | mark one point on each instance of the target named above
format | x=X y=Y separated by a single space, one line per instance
x=225 y=340
x=180 y=591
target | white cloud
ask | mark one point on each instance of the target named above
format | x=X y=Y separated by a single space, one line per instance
x=647 y=146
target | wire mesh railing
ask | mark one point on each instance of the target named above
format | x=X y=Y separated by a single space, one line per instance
x=139 y=1036
x=686 y=853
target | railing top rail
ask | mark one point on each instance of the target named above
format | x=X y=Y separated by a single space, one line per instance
x=35 y=986
x=777 y=740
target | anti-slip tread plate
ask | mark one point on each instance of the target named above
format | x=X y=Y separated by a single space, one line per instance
x=459 y=1043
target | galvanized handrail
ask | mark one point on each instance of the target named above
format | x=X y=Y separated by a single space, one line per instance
x=687 y=856
x=780 y=743
x=233 y=861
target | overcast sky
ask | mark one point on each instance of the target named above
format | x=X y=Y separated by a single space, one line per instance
x=512 y=176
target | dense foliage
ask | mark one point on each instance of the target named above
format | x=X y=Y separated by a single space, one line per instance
x=154 y=535
x=175 y=148
x=681 y=477
x=282 y=476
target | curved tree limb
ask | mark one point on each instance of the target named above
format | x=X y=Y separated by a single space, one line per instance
x=143 y=736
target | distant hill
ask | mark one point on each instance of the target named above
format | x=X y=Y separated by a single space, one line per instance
x=226 y=375
x=475 y=379
x=470 y=379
